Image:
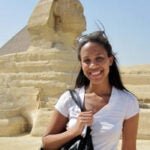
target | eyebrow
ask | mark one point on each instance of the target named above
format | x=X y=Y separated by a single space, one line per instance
x=98 y=54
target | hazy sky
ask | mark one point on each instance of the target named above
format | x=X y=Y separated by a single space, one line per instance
x=127 y=24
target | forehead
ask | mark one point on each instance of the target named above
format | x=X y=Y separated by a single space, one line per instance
x=92 y=48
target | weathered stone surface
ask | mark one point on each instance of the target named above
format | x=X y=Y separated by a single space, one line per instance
x=13 y=126
x=144 y=124
x=56 y=24
x=136 y=75
x=137 y=80
x=42 y=121
x=141 y=91
x=32 y=81
x=17 y=109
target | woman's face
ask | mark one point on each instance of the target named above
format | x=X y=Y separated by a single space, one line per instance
x=95 y=62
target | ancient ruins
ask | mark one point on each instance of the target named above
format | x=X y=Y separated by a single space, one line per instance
x=32 y=80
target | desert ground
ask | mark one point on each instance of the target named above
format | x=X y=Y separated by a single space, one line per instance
x=27 y=142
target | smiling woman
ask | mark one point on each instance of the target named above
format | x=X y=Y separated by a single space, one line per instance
x=104 y=98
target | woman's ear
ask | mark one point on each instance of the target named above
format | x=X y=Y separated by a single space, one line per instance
x=111 y=60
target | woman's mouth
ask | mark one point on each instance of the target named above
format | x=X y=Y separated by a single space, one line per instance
x=96 y=73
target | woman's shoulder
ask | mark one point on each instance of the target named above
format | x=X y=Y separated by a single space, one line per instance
x=66 y=94
x=129 y=102
x=126 y=95
x=80 y=90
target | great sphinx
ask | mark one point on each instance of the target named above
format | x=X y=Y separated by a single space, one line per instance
x=32 y=81
x=56 y=24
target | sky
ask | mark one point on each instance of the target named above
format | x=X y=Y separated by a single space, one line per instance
x=127 y=24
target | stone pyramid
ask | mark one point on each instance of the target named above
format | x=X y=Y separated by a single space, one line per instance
x=19 y=43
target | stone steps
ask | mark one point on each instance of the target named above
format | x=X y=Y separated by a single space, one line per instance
x=136 y=79
x=42 y=54
x=145 y=105
x=11 y=122
x=49 y=88
x=37 y=66
x=144 y=124
x=141 y=91
x=8 y=113
x=47 y=81
x=139 y=69
x=17 y=107
x=42 y=61
x=49 y=75
x=13 y=126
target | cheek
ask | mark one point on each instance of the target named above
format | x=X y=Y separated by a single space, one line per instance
x=84 y=67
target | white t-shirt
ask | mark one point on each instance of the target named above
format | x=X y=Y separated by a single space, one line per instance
x=108 y=122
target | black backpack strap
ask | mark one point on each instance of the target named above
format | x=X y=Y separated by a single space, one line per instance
x=75 y=96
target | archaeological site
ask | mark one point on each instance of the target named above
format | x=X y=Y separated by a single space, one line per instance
x=39 y=63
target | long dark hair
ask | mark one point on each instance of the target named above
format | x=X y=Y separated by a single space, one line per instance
x=114 y=74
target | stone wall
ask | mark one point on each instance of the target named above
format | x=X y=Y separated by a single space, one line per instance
x=137 y=80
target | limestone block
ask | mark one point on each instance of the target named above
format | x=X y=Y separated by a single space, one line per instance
x=41 y=122
x=16 y=97
x=21 y=102
x=144 y=124
x=6 y=79
x=9 y=113
x=136 y=79
x=136 y=75
x=13 y=126
x=53 y=60
x=140 y=69
x=141 y=91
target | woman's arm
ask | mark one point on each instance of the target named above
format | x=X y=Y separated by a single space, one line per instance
x=130 y=128
x=55 y=135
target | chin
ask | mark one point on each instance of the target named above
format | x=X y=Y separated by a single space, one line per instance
x=96 y=82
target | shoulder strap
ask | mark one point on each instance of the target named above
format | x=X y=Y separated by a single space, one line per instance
x=75 y=96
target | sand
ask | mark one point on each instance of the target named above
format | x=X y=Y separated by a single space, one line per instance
x=27 y=142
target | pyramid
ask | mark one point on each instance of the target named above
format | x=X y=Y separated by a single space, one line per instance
x=19 y=43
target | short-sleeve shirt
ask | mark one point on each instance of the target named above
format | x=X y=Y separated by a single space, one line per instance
x=108 y=121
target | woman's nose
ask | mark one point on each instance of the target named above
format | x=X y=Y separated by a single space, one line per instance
x=93 y=65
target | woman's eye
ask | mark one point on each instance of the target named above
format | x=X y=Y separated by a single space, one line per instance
x=99 y=58
x=86 y=61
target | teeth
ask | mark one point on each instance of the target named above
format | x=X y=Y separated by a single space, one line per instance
x=95 y=73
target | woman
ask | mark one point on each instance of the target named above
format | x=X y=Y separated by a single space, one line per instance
x=111 y=110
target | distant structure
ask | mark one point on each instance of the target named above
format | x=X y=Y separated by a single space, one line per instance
x=19 y=43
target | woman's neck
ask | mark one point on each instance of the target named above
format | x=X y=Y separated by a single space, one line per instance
x=101 y=90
